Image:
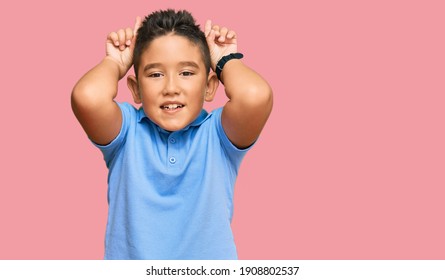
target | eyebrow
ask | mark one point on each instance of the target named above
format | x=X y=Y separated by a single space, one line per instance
x=181 y=64
x=152 y=65
x=189 y=63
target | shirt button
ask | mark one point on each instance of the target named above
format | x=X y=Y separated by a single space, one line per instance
x=172 y=160
x=172 y=140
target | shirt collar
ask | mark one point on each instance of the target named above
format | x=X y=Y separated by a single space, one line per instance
x=203 y=116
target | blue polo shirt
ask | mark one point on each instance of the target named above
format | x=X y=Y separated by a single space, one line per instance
x=170 y=194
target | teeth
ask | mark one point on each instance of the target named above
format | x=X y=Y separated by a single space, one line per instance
x=172 y=106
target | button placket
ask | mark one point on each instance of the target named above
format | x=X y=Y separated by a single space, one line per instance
x=172 y=149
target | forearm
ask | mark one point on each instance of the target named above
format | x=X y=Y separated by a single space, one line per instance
x=250 y=104
x=92 y=98
x=99 y=84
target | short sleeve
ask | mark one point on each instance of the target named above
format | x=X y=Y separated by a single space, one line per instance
x=234 y=153
x=110 y=150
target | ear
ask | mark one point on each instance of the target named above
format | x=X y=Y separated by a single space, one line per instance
x=212 y=86
x=132 y=84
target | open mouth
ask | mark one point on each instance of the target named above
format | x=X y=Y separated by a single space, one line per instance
x=170 y=107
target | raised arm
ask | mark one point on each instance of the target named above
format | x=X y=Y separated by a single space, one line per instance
x=92 y=98
x=250 y=96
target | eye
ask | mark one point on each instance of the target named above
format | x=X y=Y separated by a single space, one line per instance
x=155 y=75
x=187 y=73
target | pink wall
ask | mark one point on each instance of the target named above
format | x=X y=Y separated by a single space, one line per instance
x=350 y=165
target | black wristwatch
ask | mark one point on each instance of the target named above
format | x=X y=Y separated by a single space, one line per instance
x=220 y=65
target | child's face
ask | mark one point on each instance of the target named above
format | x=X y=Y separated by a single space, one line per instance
x=173 y=82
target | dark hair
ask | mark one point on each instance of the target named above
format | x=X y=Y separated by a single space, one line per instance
x=164 y=22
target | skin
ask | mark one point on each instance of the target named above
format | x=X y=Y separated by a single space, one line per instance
x=172 y=71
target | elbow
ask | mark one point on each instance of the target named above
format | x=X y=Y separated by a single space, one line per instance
x=260 y=97
x=81 y=98
x=85 y=98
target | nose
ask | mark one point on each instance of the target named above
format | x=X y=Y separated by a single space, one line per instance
x=171 y=86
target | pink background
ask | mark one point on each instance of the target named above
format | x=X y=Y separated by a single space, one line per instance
x=350 y=165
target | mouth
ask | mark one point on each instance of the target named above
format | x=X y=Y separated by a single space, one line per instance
x=172 y=107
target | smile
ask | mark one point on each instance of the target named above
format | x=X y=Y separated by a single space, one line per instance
x=172 y=106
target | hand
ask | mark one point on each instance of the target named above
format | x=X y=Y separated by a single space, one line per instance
x=120 y=46
x=221 y=41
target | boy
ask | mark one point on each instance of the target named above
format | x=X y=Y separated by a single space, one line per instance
x=172 y=166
